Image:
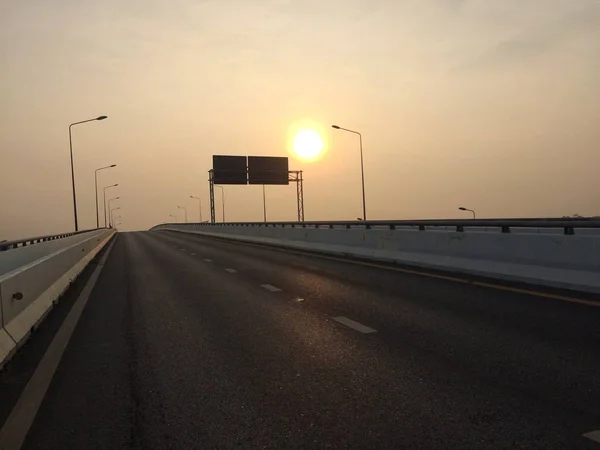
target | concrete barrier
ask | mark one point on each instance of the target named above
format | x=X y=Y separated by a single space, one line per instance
x=28 y=292
x=548 y=259
x=14 y=258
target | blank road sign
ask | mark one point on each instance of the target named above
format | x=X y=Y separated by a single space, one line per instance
x=268 y=170
x=229 y=169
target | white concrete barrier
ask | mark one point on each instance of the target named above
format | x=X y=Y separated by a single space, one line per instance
x=28 y=292
x=548 y=259
x=18 y=257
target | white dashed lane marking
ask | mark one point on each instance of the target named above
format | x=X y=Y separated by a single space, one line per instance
x=208 y=260
x=270 y=287
x=354 y=325
x=231 y=270
x=593 y=435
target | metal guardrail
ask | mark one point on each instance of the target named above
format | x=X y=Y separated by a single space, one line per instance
x=8 y=245
x=459 y=225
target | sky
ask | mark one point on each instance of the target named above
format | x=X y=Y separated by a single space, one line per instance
x=488 y=104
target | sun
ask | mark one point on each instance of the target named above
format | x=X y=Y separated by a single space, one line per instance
x=308 y=144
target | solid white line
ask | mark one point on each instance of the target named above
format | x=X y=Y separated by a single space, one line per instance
x=354 y=325
x=593 y=435
x=231 y=270
x=16 y=427
x=208 y=260
x=270 y=287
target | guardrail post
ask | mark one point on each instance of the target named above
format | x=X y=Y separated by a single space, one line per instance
x=421 y=227
x=505 y=229
x=569 y=231
x=460 y=228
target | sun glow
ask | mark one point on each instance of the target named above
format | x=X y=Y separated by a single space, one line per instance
x=308 y=144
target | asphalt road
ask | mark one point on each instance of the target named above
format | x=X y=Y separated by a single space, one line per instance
x=176 y=351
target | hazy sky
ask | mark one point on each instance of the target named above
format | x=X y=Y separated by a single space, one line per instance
x=490 y=104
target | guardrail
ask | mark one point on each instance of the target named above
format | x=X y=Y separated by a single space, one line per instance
x=8 y=245
x=460 y=225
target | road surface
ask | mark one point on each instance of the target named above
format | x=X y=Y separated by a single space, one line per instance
x=191 y=342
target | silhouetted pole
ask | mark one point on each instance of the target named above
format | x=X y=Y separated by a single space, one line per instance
x=96 y=185
x=111 y=214
x=264 y=204
x=462 y=208
x=362 y=169
x=110 y=210
x=199 y=207
x=222 y=200
x=72 y=168
x=185 y=212
x=105 y=206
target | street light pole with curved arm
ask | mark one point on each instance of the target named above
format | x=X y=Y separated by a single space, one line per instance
x=199 y=207
x=96 y=186
x=362 y=169
x=104 y=204
x=110 y=210
x=462 y=208
x=73 y=170
x=111 y=214
x=185 y=212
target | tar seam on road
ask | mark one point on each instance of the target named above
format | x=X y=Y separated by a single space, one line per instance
x=270 y=287
x=593 y=435
x=231 y=270
x=18 y=423
x=436 y=276
x=354 y=325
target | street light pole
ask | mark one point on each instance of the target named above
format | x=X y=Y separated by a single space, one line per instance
x=111 y=214
x=185 y=212
x=72 y=168
x=96 y=185
x=462 y=208
x=362 y=168
x=223 y=201
x=110 y=210
x=264 y=204
x=104 y=204
x=199 y=207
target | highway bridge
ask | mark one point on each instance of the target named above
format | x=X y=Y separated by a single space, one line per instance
x=395 y=335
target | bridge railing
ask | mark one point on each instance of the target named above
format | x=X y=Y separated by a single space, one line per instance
x=568 y=226
x=8 y=245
